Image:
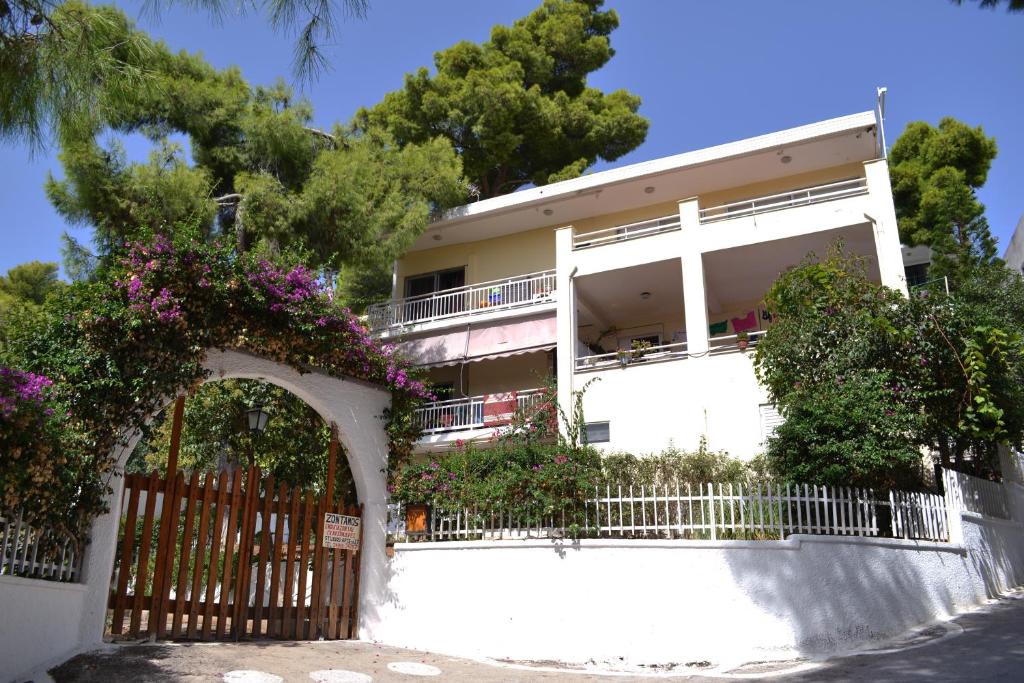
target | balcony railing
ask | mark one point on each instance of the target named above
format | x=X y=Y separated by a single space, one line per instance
x=630 y=231
x=626 y=357
x=785 y=200
x=466 y=413
x=731 y=342
x=513 y=292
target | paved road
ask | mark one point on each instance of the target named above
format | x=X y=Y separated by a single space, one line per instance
x=990 y=648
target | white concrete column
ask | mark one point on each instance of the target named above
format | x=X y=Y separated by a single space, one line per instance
x=566 y=321
x=98 y=561
x=886 y=230
x=694 y=298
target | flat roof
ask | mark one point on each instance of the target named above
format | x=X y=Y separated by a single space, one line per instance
x=817 y=145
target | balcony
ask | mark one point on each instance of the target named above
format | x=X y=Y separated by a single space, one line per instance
x=626 y=357
x=630 y=231
x=785 y=200
x=521 y=291
x=459 y=414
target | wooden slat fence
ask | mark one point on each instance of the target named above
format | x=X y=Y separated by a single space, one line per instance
x=704 y=512
x=35 y=553
x=227 y=557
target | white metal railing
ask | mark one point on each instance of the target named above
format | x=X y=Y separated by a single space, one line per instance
x=979 y=496
x=630 y=231
x=785 y=200
x=731 y=342
x=22 y=552
x=466 y=413
x=705 y=512
x=625 y=357
x=512 y=292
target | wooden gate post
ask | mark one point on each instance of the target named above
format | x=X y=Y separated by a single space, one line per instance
x=164 y=548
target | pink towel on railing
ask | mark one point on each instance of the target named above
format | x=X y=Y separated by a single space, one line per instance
x=748 y=322
x=499 y=409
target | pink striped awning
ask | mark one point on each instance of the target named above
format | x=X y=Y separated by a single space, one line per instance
x=475 y=342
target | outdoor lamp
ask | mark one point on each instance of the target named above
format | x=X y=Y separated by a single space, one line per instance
x=257 y=418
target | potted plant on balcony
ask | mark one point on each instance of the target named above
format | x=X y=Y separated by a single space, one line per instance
x=639 y=348
x=622 y=355
x=742 y=340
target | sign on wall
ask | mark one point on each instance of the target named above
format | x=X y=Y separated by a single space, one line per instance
x=341 y=531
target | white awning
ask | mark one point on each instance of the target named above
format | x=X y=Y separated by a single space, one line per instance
x=476 y=342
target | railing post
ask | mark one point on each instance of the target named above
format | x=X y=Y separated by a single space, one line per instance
x=711 y=504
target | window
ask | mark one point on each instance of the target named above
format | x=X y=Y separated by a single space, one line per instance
x=917 y=274
x=597 y=432
x=438 y=281
x=429 y=283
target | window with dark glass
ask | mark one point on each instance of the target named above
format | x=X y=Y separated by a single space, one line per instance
x=917 y=274
x=597 y=432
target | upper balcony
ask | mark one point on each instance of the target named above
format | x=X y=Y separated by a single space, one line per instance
x=530 y=291
x=630 y=231
x=785 y=200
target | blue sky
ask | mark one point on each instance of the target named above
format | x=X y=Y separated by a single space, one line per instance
x=708 y=73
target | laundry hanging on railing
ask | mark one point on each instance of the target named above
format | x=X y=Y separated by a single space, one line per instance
x=499 y=409
x=719 y=327
x=747 y=322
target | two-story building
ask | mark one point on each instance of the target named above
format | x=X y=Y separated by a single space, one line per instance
x=648 y=278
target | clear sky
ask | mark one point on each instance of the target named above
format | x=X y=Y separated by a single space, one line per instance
x=708 y=73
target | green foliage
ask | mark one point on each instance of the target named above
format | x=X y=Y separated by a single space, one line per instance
x=935 y=175
x=118 y=345
x=62 y=65
x=68 y=66
x=262 y=176
x=293 y=447
x=852 y=431
x=526 y=479
x=517 y=108
x=675 y=466
x=866 y=377
x=1011 y=5
x=29 y=283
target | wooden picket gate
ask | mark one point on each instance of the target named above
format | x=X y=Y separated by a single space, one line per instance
x=230 y=557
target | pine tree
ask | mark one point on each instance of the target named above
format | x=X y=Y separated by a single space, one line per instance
x=517 y=108
x=935 y=175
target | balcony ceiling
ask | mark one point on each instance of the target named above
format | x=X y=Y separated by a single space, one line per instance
x=810 y=148
x=743 y=275
x=614 y=297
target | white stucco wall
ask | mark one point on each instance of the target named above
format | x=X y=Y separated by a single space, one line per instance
x=650 y=404
x=38 y=624
x=1014 y=254
x=670 y=601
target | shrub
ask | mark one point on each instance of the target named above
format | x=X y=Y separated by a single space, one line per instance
x=674 y=465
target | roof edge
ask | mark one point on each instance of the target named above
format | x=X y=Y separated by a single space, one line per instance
x=584 y=183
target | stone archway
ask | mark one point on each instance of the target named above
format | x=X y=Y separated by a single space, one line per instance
x=354 y=406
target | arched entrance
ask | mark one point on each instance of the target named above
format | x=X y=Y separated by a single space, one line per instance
x=353 y=407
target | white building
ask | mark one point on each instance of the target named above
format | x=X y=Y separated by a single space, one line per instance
x=675 y=253
x=1014 y=255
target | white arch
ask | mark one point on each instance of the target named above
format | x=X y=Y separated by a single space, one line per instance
x=356 y=407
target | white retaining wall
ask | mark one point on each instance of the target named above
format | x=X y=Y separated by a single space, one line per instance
x=39 y=623
x=678 y=601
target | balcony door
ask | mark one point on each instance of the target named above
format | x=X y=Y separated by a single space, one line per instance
x=419 y=306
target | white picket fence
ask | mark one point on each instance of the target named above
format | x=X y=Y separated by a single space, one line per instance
x=708 y=512
x=22 y=554
x=972 y=494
